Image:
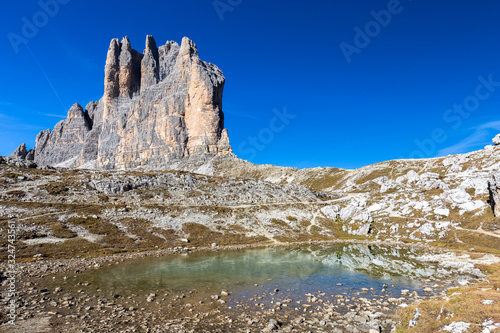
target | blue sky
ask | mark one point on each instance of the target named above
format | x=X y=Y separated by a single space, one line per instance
x=360 y=81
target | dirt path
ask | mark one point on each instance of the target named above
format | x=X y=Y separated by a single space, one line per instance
x=480 y=231
x=273 y=204
x=313 y=220
x=266 y=232
x=35 y=216
x=349 y=196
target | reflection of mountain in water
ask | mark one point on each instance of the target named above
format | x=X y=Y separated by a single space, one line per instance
x=204 y=269
x=382 y=261
x=296 y=266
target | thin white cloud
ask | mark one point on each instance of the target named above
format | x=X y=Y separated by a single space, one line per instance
x=6 y=117
x=9 y=121
x=490 y=125
x=53 y=115
x=481 y=136
x=15 y=108
x=19 y=126
x=19 y=108
x=463 y=146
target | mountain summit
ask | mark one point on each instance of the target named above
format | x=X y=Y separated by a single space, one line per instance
x=158 y=107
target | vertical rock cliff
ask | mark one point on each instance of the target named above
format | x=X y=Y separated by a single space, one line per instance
x=158 y=107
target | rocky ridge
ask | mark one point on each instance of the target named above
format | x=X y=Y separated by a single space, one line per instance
x=158 y=107
x=61 y=213
x=420 y=200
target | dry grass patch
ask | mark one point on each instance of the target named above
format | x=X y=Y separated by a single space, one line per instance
x=96 y=225
x=441 y=171
x=144 y=233
x=67 y=208
x=16 y=194
x=301 y=237
x=304 y=223
x=55 y=188
x=72 y=248
x=374 y=175
x=433 y=192
x=200 y=235
x=11 y=175
x=332 y=179
x=473 y=220
x=60 y=230
x=280 y=223
x=466 y=306
x=469 y=239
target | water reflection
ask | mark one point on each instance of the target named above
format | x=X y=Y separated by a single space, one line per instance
x=306 y=269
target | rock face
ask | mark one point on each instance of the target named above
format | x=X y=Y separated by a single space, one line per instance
x=20 y=152
x=67 y=139
x=494 y=189
x=496 y=139
x=158 y=107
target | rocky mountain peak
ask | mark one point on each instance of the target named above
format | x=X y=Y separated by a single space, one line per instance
x=111 y=88
x=188 y=47
x=150 y=64
x=125 y=44
x=20 y=152
x=76 y=111
x=150 y=44
x=158 y=107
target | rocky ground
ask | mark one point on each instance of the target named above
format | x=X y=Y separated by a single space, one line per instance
x=58 y=212
x=88 y=214
x=441 y=200
x=53 y=299
x=79 y=309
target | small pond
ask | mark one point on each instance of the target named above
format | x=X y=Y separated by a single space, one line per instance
x=274 y=274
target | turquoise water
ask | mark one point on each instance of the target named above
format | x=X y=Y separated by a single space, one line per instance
x=294 y=271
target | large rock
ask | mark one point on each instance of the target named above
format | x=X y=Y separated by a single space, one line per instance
x=494 y=188
x=496 y=139
x=332 y=212
x=20 y=152
x=458 y=196
x=159 y=107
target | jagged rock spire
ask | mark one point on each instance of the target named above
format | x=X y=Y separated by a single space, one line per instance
x=76 y=111
x=126 y=75
x=150 y=64
x=20 y=152
x=188 y=48
x=111 y=80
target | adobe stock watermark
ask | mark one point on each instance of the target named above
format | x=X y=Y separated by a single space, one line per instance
x=223 y=6
x=249 y=148
x=372 y=29
x=455 y=117
x=31 y=26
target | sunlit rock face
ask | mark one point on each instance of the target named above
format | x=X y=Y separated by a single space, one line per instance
x=158 y=107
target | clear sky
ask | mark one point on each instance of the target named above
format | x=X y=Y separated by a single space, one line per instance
x=353 y=82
